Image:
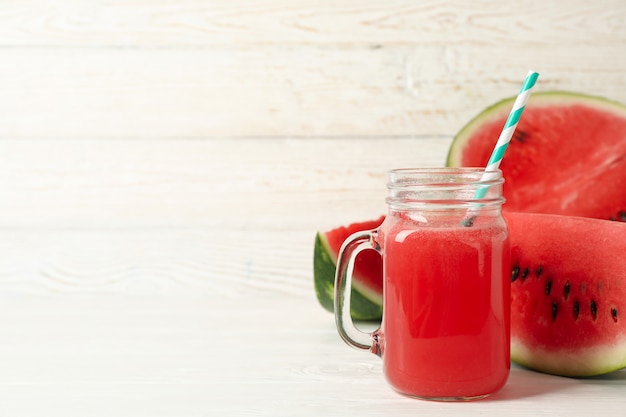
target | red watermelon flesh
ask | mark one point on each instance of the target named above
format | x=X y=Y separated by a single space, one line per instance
x=568 y=293
x=367 y=284
x=368 y=265
x=568 y=154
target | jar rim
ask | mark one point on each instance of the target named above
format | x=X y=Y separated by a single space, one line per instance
x=443 y=170
x=445 y=178
x=444 y=187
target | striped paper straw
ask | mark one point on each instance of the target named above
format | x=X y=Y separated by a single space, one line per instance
x=508 y=130
x=511 y=121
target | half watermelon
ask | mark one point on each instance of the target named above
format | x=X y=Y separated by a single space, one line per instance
x=367 y=283
x=567 y=156
x=568 y=293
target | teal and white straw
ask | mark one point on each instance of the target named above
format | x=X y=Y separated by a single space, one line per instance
x=508 y=130
x=511 y=121
x=503 y=142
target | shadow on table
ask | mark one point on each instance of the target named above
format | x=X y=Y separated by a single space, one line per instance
x=619 y=376
x=524 y=383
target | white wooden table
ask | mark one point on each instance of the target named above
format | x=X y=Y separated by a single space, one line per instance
x=257 y=354
x=164 y=167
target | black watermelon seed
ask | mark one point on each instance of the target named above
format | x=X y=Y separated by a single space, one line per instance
x=566 y=290
x=555 y=310
x=514 y=273
x=614 y=314
x=594 y=309
x=539 y=271
x=520 y=136
x=548 y=287
x=622 y=215
x=525 y=273
x=576 y=309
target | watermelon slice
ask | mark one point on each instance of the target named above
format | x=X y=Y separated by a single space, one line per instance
x=568 y=294
x=367 y=284
x=568 y=154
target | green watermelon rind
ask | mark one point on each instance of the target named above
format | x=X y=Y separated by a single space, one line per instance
x=587 y=362
x=324 y=266
x=501 y=108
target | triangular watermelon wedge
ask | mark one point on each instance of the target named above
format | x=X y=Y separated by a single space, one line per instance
x=367 y=285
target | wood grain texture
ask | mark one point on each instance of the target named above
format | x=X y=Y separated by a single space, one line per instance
x=281 y=90
x=199 y=23
x=198 y=69
x=228 y=355
x=227 y=183
x=157 y=262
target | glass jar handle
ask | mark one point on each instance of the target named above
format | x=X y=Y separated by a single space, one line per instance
x=350 y=249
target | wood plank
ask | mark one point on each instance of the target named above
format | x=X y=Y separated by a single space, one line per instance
x=246 y=183
x=158 y=262
x=199 y=23
x=281 y=90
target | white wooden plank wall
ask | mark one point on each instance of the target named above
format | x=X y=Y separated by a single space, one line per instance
x=199 y=69
x=237 y=129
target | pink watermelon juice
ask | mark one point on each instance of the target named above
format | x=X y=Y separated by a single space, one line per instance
x=446 y=321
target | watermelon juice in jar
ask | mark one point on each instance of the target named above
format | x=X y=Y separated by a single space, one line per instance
x=445 y=332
